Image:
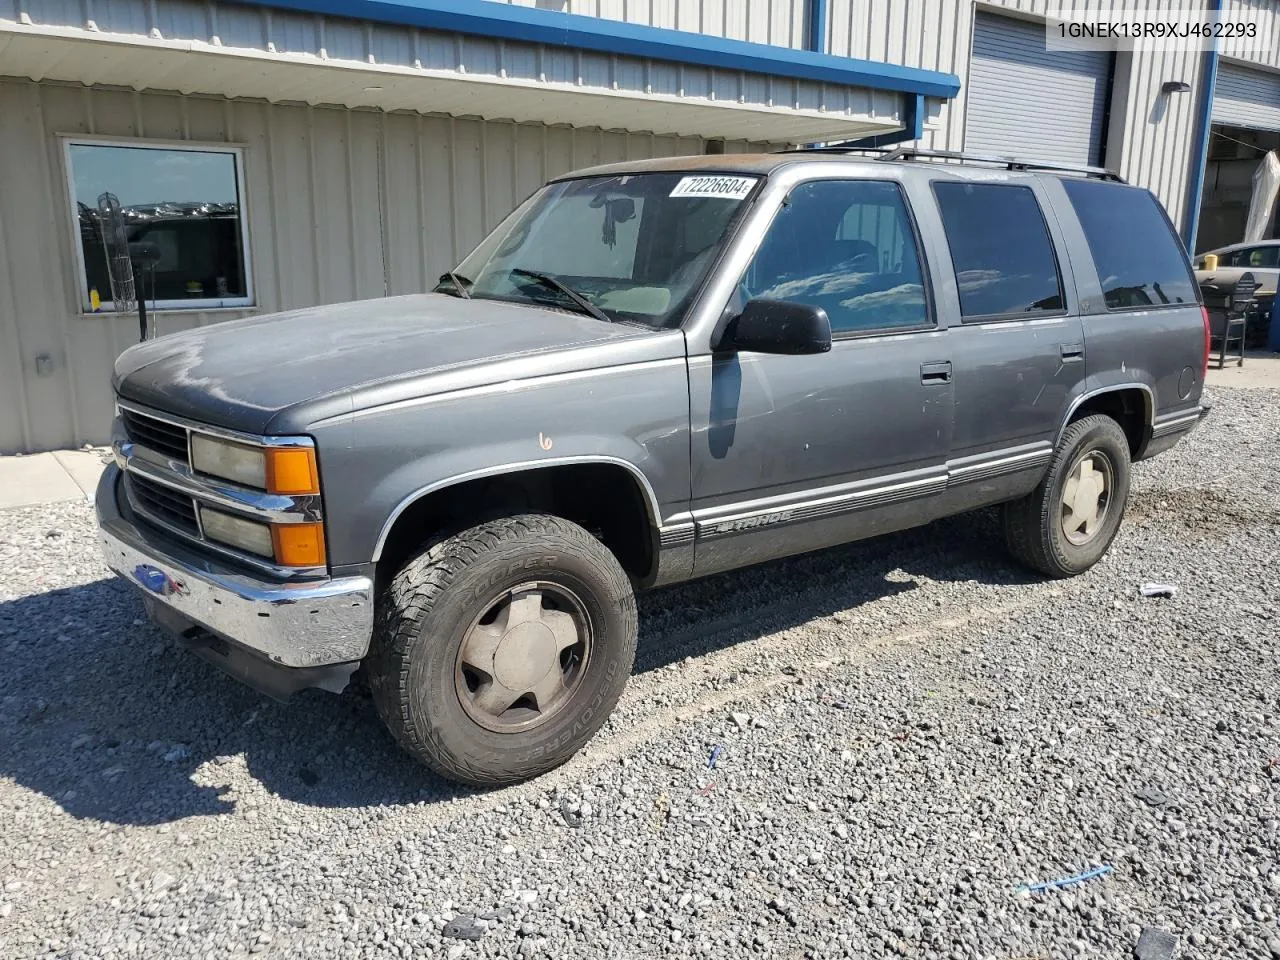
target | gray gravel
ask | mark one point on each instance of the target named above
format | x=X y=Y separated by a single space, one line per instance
x=911 y=732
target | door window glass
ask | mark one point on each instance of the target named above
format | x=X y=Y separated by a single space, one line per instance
x=1000 y=249
x=846 y=246
x=1139 y=259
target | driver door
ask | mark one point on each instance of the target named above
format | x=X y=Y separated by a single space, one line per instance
x=794 y=453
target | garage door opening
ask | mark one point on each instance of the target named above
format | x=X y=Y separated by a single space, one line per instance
x=1234 y=156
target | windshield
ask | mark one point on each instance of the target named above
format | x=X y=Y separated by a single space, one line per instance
x=631 y=248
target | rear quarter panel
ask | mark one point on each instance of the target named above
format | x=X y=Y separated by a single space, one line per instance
x=1160 y=349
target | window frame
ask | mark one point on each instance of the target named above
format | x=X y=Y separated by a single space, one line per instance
x=1012 y=316
x=81 y=279
x=1173 y=233
x=930 y=323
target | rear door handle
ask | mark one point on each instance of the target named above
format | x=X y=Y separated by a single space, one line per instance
x=1072 y=352
x=939 y=372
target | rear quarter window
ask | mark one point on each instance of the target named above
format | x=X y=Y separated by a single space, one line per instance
x=1139 y=259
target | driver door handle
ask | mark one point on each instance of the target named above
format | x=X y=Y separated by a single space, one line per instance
x=935 y=373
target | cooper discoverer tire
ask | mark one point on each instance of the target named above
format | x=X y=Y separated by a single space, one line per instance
x=1064 y=526
x=500 y=650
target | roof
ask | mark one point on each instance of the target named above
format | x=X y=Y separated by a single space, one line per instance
x=763 y=164
x=471 y=59
x=552 y=27
x=1243 y=245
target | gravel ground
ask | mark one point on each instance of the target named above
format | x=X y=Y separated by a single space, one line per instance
x=908 y=730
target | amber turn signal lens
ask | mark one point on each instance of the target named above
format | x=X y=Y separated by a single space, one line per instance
x=299 y=544
x=292 y=471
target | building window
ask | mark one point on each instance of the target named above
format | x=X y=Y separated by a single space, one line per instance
x=181 y=205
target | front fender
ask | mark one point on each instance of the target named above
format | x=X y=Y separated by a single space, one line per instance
x=635 y=416
x=422 y=478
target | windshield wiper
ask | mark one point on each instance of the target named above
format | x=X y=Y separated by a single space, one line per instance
x=547 y=280
x=460 y=283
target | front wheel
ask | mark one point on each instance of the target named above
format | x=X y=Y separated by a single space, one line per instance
x=1066 y=524
x=499 y=651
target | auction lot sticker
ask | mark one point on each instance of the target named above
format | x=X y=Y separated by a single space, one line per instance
x=727 y=188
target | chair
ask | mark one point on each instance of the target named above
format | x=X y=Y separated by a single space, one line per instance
x=1236 y=318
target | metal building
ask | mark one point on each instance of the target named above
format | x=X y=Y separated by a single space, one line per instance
x=284 y=153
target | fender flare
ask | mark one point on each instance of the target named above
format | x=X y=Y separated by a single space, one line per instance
x=1078 y=402
x=652 y=510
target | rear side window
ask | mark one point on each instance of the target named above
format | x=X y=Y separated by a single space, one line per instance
x=1138 y=257
x=1000 y=249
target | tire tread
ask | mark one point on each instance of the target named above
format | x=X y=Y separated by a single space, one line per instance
x=1028 y=522
x=407 y=602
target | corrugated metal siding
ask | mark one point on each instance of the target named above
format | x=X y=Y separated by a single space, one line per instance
x=1061 y=106
x=1149 y=136
x=1265 y=14
x=340 y=205
x=1247 y=98
x=778 y=22
x=513 y=70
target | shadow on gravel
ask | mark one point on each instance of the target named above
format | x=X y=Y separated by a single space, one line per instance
x=113 y=722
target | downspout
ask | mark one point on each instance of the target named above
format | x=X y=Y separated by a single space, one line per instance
x=1203 y=132
x=817 y=32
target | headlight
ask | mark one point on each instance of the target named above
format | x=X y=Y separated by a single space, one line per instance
x=237 y=532
x=230 y=461
x=286 y=470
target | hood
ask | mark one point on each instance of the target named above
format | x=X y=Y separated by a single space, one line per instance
x=243 y=373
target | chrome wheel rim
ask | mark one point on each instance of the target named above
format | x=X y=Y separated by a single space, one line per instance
x=523 y=658
x=1086 y=497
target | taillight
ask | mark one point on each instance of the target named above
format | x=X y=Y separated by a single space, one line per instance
x=1204 y=366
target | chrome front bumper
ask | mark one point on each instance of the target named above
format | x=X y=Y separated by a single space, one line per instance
x=306 y=625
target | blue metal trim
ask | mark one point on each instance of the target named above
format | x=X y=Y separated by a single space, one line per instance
x=817 y=37
x=552 y=28
x=913 y=128
x=1195 y=190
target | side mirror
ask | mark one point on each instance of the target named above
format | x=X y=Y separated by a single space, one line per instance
x=779 y=326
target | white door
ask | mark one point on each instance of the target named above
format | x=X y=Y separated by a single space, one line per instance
x=1026 y=101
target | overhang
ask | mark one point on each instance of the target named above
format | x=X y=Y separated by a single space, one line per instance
x=475 y=58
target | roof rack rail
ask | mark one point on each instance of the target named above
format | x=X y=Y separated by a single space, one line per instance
x=1009 y=163
x=834 y=148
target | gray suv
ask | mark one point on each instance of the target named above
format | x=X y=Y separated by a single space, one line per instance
x=647 y=372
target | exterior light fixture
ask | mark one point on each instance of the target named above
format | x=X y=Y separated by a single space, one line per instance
x=1175 y=86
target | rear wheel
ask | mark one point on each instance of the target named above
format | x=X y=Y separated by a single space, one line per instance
x=1066 y=524
x=500 y=650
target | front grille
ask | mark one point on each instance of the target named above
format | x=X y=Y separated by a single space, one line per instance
x=158 y=435
x=163 y=504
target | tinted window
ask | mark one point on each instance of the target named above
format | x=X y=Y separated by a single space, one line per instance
x=1254 y=257
x=1000 y=249
x=1139 y=260
x=846 y=246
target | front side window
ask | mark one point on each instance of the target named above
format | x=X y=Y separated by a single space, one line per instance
x=634 y=248
x=183 y=206
x=1139 y=258
x=1000 y=249
x=847 y=246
